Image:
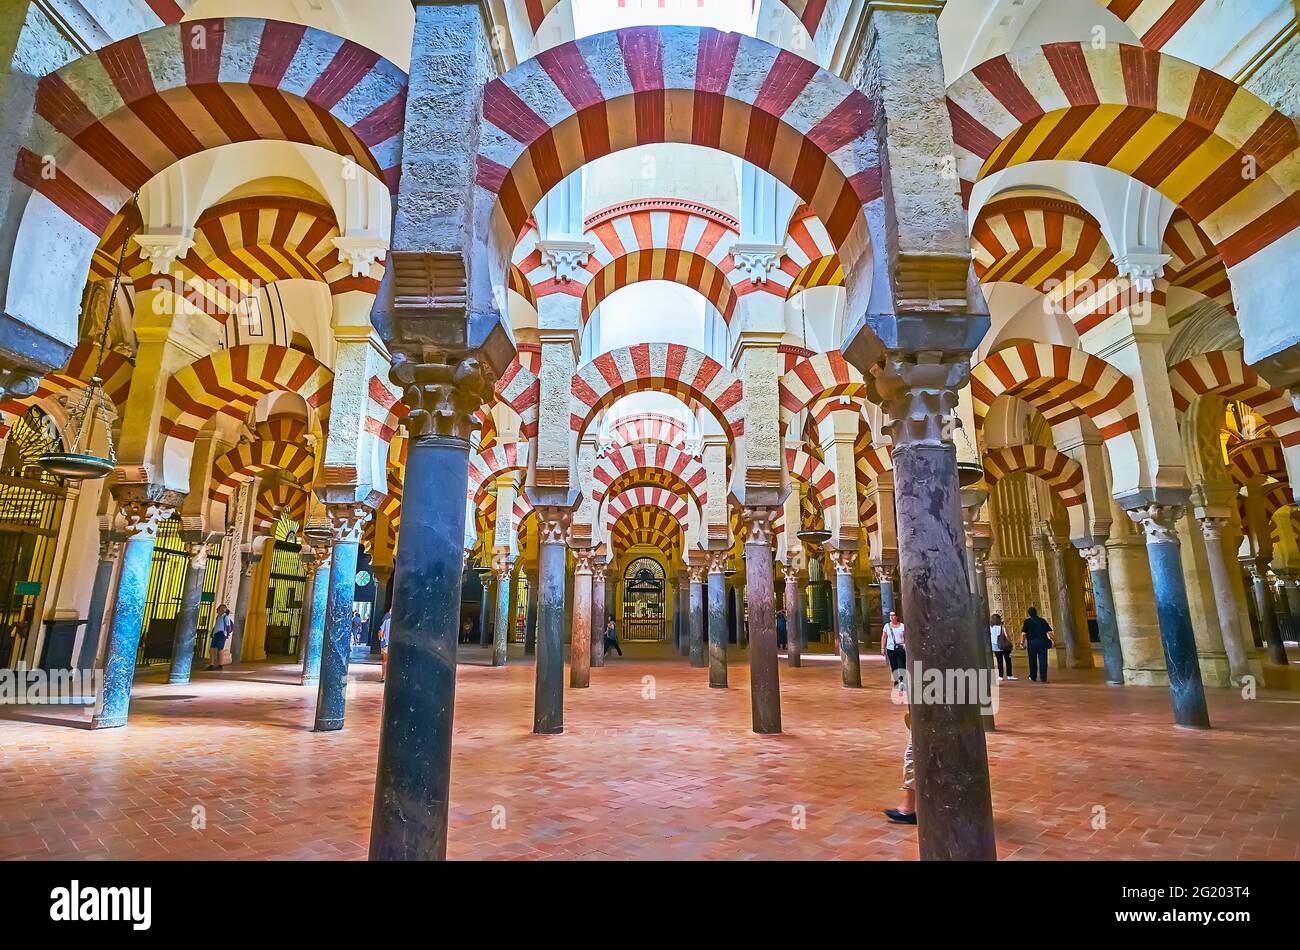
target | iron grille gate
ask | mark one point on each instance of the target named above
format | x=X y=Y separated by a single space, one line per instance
x=162 y=602
x=31 y=508
x=284 y=597
x=207 y=602
x=643 y=601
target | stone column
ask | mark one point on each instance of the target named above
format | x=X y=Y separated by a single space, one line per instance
x=844 y=560
x=187 y=620
x=1159 y=521
x=413 y=777
x=347 y=522
x=486 y=623
x=381 y=572
x=977 y=553
x=530 y=620
x=717 y=619
x=1269 y=627
x=954 y=802
x=684 y=613
x=1111 y=653
x=764 y=669
x=742 y=634
x=248 y=562
x=108 y=554
x=885 y=578
x=314 y=640
x=696 y=572
x=793 y=617
x=1078 y=649
x=548 y=697
x=1225 y=600
x=580 y=638
x=143 y=508
x=599 y=610
x=1282 y=608
x=504 y=567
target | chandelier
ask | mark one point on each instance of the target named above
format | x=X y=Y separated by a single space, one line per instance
x=78 y=462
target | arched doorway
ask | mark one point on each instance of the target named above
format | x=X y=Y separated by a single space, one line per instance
x=644 y=600
x=286 y=589
x=31 y=508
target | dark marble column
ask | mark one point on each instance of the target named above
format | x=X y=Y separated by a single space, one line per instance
x=109 y=551
x=684 y=613
x=846 y=619
x=885 y=578
x=530 y=619
x=742 y=605
x=1159 y=521
x=187 y=619
x=504 y=567
x=381 y=572
x=1225 y=596
x=717 y=619
x=764 y=669
x=1078 y=649
x=313 y=641
x=142 y=509
x=242 y=598
x=548 y=694
x=413 y=778
x=977 y=552
x=1112 y=654
x=1267 y=611
x=954 y=801
x=793 y=617
x=486 y=621
x=599 y=610
x=580 y=635
x=697 y=651
x=347 y=522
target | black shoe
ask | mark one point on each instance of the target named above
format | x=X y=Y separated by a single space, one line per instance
x=900 y=817
x=209 y=668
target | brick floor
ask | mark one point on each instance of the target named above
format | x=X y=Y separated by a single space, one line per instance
x=678 y=775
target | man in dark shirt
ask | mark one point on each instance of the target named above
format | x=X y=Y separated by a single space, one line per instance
x=1036 y=638
x=782 y=641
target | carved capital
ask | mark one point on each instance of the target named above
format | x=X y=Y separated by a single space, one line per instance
x=553 y=524
x=1095 y=556
x=757 y=522
x=843 y=559
x=109 y=549
x=919 y=394
x=503 y=565
x=442 y=397
x=361 y=251
x=566 y=258
x=582 y=560
x=1212 y=527
x=143 y=507
x=757 y=260
x=164 y=248
x=347 y=521
x=197 y=551
x=695 y=573
x=717 y=562
x=1158 y=521
x=790 y=572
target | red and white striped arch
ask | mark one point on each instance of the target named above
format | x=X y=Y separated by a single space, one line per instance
x=811 y=258
x=75 y=377
x=1060 y=472
x=873 y=461
x=655 y=527
x=520 y=389
x=660 y=367
x=817 y=377
x=486 y=464
x=252 y=458
x=1179 y=128
x=1256 y=460
x=648 y=427
x=649 y=497
x=1194 y=263
x=678 y=267
x=282 y=497
x=814 y=473
x=1155 y=22
x=1064 y=383
x=1225 y=373
x=585 y=99
x=650 y=463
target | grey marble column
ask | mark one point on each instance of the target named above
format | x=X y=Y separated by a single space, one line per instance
x=846 y=617
x=885 y=578
x=1103 y=597
x=1078 y=649
x=1267 y=611
x=504 y=567
x=347 y=523
x=187 y=619
x=1225 y=600
x=530 y=619
x=742 y=634
x=313 y=642
x=764 y=670
x=1164 y=552
x=242 y=600
x=548 y=693
x=977 y=552
x=109 y=551
x=684 y=613
x=486 y=619
x=142 y=509
x=599 y=611
x=717 y=619
x=580 y=636
x=697 y=652
x=919 y=392
x=793 y=616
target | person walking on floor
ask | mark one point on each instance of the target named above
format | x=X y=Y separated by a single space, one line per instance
x=358 y=629
x=384 y=627
x=1036 y=637
x=905 y=814
x=782 y=639
x=1001 y=646
x=223 y=628
x=892 y=643
x=610 y=639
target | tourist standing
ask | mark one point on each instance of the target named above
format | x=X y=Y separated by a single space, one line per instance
x=892 y=643
x=1001 y=646
x=1036 y=637
x=782 y=639
x=610 y=640
x=223 y=628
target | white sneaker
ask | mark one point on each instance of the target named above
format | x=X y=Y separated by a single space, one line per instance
x=1013 y=677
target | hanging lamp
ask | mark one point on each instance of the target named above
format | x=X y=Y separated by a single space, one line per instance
x=78 y=462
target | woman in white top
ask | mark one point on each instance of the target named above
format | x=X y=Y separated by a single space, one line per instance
x=1001 y=646
x=892 y=643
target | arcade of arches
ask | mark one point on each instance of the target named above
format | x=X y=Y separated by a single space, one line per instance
x=706 y=317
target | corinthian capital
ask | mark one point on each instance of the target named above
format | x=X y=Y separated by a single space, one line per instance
x=758 y=524
x=844 y=559
x=553 y=524
x=1095 y=556
x=1160 y=522
x=144 y=507
x=442 y=397
x=920 y=397
x=347 y=522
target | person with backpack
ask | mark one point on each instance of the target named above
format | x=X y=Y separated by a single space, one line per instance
x=1036 y=637
x=610 y=639
x=223 y=629
x=782 y=637
x=1001 y=646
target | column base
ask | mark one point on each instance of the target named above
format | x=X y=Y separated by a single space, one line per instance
x=1214 y=669
x=1146 y=678
x=328 y=725
x=311 y=681
x=113 y=722
x=548 y=731
x=178 y=680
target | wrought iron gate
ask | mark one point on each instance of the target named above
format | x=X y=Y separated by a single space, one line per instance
x=284 y=594
x=643 y=601
x=207 y=600
x=162 y=602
